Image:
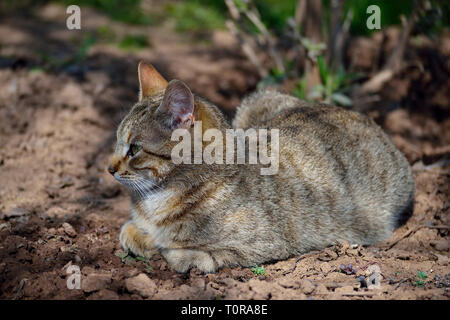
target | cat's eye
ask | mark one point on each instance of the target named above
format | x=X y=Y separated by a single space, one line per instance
x=134 y=148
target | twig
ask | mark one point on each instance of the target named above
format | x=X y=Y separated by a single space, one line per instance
x=393 y=64
x=407 y=234
x=247 y=49
x=19 y=290
x=367 y=264
x=299 y=48
x=437 y=227
x=336 y=40
x=399 y=283
x=233 y=10
x=300 y=10
x=375 y=83
x=253 y=16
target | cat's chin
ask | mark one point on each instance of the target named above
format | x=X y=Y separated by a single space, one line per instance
x=144 y=192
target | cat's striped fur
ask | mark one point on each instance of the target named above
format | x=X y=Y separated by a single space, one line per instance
x=340 y=178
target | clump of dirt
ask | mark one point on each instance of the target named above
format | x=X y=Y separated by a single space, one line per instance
x=60 y=211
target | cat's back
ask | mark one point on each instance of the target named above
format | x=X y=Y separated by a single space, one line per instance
x=336 y=157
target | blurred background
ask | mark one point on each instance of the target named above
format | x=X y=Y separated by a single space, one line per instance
x=63 y=93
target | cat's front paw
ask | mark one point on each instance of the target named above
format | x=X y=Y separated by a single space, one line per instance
x=135 y=240
x=181 y=260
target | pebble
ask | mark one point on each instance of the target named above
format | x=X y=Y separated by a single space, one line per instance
x=104 y=294
x=69 y=230
x=142 y=285
x=440 y=245
x=344 y=289
x=4 y=226
x=14 y=213
x=307 y=286
x=325 y=267
x=95 y=282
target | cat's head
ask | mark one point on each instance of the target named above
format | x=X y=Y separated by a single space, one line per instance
x=142 y=158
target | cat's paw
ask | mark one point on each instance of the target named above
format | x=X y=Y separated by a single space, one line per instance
x=181 y=260
x=135 y=240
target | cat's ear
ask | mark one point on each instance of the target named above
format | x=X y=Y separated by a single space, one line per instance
x=150 y=81
x=178 y=103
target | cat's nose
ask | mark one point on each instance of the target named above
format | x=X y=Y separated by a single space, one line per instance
x=112 y=169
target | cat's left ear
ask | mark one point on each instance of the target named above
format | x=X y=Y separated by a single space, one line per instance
x=178 y=103
x=151 y=81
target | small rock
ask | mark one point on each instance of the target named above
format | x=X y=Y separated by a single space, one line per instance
x=374 y=277
x=442 y=281
x=95 y=282
x=321 y=289
x=69 y=230
x=344 y=289
x=104 y=294
x=325 y=267
x=289 y=282
x=14 y=213
x=67 y=265
x=198 y=283
x=307 y=286
x=141 y=285
x=163 y=265
x=352 y=252
x=440 y=245
x=344 y=246
x=131 y=273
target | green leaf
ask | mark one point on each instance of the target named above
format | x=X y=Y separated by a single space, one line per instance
x=122 y=255
x=341 y=99
x=419 y=283
x=139 y=258
x=258 y=270
x=422 y=275
x=322 y=68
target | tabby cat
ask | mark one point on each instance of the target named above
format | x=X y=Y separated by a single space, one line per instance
x=339 y=178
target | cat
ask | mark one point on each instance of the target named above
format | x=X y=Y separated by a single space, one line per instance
x=340 y=179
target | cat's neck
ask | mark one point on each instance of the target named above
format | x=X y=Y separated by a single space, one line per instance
x=210 y=116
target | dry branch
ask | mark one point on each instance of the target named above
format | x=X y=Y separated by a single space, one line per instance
x=247 y=49
x=394 y=62
x=266 y=38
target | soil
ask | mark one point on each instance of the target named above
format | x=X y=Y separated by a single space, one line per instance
x=60 y=208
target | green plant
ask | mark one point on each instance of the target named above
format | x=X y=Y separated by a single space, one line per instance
x=134 y=42
x=274 y=78
x=128 y=11
x=332 y=88
x=106 y=34
x=422 y=275
x=194 y=16
x=83 y=49
x=418 y=283
x=258 y=270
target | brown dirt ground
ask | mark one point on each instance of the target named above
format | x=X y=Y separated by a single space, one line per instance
x=58 y=206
